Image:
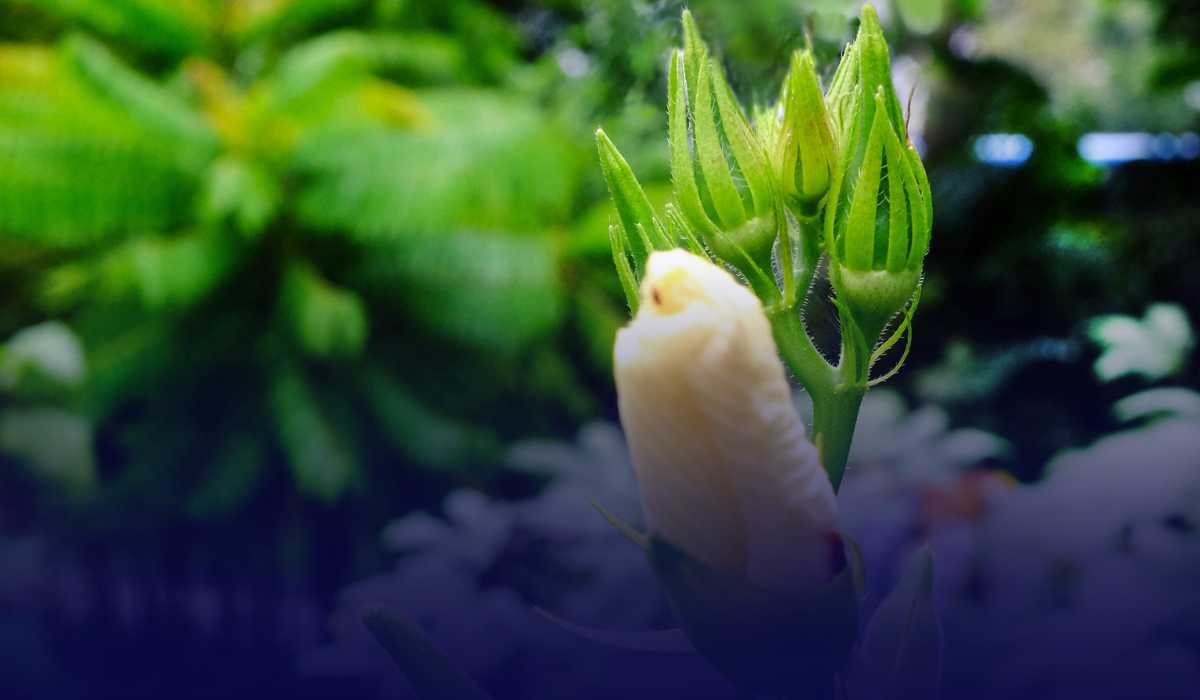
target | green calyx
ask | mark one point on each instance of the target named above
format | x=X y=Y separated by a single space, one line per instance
x=878 y=220
x=639 y=230
x=804 y=145
x=721 y=171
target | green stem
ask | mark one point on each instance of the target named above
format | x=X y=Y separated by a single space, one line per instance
x=834 y=417
x=836 y=397
x=798 y=351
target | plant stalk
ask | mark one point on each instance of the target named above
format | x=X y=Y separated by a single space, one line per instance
x=836 y=397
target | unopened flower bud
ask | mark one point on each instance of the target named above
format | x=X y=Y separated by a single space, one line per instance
x=720 y=168
x=726 y=471
x=879 y=216
x=804 y=148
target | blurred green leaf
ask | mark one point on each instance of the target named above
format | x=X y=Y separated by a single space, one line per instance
x=495 y=292
x=922 y=16
x=324 y=319
x=425 y=436
x=241 y=192
x=172 y=27
x=67 y=181
x=144 y=101
x=320 y=458
x=276 y=19
x=598 y=320
x=236 y=472
x=76 y=190
x=499 y=165
x=168 y=273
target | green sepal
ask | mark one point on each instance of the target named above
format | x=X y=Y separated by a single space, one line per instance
x=875 y=67
x=710 y=154
x=903 y=329
x=626 y=530
x=625 y=273
x=679 y=135
x=765 y=642
x=857 y=240
x=806 y=150
x=642 y=231
x=748 y=153
x=681 y=233
x=695 y=52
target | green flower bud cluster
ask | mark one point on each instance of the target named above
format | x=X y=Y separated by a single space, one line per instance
x=880 y=211
x=720 y=168
x=817 y=173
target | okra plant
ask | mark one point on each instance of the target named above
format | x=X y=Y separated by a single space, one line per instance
x=738 y=494
x=830 y=175
x=739 y=497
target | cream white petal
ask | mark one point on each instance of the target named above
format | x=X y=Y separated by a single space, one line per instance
x=726 y=470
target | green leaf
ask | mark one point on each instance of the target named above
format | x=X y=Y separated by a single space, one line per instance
x=431 y=674
x=317 y=452
x=170 y=27
x=597 y=319
x=494 y=292
x=257 y=21
x=922 y=16
x=144 y=101
x=234 y=475
x=241 y=192
x=513 y=170
x=425 y=436
x=75 y=190
x=325 y=320
x=901 y=652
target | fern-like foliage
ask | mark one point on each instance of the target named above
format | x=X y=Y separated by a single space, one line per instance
x=244 y=208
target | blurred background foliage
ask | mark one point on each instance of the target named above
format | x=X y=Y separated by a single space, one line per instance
x=273 y=272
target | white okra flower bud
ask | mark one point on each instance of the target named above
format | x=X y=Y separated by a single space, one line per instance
x=726 y=471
